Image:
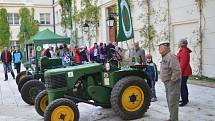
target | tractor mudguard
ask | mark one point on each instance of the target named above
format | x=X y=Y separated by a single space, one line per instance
x=100 y=94
x=117 y=75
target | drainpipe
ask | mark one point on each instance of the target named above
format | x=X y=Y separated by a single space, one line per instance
x=53 y=16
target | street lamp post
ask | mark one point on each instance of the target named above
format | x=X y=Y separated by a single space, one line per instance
x=110 y=20
x=86 y=27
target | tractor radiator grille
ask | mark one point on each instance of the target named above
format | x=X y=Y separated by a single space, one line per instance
x=56 y=81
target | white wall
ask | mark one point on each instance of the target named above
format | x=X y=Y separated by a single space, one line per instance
x=208 y=41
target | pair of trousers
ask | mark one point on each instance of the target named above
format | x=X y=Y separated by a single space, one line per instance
x=153 y=89
x=173 y=95
x=184 y=89
x=17 y=67
x=8 y=67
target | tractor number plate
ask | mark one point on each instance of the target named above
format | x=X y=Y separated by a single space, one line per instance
x=70 y=74
x=106 y=79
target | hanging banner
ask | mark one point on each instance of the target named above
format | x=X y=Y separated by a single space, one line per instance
x=125 y=31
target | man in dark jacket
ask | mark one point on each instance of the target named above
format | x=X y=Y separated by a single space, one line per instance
x=6 y=58
x=17 y=57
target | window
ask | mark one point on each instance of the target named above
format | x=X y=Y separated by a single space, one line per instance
x=13 y=18
x=44 y=18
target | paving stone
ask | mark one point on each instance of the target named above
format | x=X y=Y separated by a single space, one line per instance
x=200 y=108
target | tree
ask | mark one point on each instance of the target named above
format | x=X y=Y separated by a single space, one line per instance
x=90 y=14
x=4 y=29
x=29 y=26
x=66 y=16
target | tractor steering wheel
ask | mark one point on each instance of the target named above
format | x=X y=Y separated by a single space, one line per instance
x=114 y=54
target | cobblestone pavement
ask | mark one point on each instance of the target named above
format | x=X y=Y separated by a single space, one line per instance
x=200 y=108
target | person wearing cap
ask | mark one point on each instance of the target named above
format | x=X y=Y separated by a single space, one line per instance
x=135 y=53
x=170 y=74
x=186 y=71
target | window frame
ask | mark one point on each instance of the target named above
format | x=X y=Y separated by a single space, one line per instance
x=45 y=18
x=11 y=18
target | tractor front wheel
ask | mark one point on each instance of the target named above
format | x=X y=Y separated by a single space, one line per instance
x=23 y=81
x=130 y=97
x=41 y=102
x=30 y=90
x=62 y=110
x=21 y=75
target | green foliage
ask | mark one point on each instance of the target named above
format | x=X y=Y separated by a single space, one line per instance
x=90 y=12
x=149 y=33
x=4 y=29
x=66 y=16
x=29 y=26
x=200 y=3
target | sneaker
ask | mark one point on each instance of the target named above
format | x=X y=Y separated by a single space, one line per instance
x=154 y=99
x=5 y=80
x=182 y=104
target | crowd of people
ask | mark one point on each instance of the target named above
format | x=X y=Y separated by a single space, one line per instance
x=98 y=53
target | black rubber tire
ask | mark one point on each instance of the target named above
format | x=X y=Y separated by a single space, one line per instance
x=38 y=100
x=23 y=73
x=38 y=87
x=106 y=106
x=60 y=102
x=23 y=81
x=116 y=95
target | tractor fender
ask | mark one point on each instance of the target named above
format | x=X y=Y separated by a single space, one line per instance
x=117 y=75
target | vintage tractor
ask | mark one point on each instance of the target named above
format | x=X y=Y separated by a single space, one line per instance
x=30 y=85
x=125 y=90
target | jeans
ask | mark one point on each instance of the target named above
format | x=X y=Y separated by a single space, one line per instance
x=8 y=66
x=184 y=89
x=18 y=67
x=153 y=89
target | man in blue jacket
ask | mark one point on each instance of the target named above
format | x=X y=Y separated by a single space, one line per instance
x=17 y=57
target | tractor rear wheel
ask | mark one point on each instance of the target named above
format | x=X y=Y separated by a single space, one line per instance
x=30 y=90
x=130 y=97
x=23 y=81
x=21 y=75
x=41 y=102
x=62 y=109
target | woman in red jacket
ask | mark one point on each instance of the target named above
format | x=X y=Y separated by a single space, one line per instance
x=186 y=71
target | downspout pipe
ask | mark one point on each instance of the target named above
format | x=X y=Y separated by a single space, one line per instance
x=53 y=16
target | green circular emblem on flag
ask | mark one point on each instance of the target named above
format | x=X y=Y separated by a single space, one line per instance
x=126 y=18
x=39 y=48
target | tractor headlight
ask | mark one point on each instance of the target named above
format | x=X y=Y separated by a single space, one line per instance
x=107 y=66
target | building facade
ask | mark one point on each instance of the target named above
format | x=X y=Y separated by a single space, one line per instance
x=172 y=20
x=43 y=13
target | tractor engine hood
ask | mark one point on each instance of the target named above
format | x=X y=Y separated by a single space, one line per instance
x=67 y=77
x=86 y=69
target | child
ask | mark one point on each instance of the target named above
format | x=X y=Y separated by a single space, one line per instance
x=152 y=72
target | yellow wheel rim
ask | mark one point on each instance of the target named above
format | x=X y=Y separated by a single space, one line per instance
x=21 y=77
x=62 y=113
x=43 y=103
x=132 y=98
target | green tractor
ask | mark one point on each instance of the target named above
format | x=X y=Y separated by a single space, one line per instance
x=125 y=90
x=30 y=85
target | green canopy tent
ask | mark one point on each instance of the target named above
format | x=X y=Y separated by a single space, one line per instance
x=45 y=37
x=48 y=37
